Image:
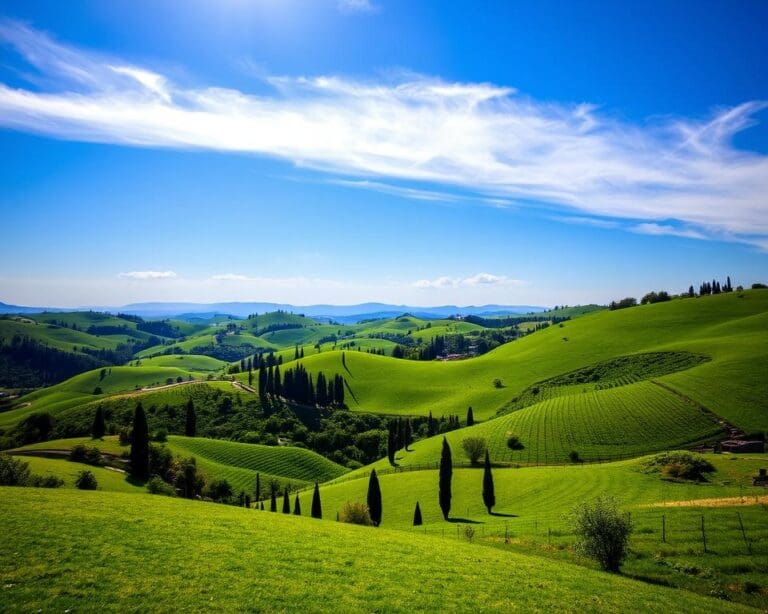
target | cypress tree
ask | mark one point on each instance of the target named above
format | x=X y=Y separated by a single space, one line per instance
x=391 y=443
x=262 y=506
x=140 y=444
x=470 y=416
x=262 y=381
x=430 y=424
x=317 y=510
x=273 y=502
x=417 y=522
x=286 y=502
x=257 y=491
x=271 y=381
x=190 y=426
x=99 y=426
x=277 y=383
x=408 y=434
x=297 y=506
x=489 y=496
x=446 y=473
x=374 y=498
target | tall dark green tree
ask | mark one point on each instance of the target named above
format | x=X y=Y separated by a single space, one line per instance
x=417 y=522
x=140 y=444
x=317 y=509
x=408 y=435
x=297 y=506
x=257 y=490
x=489 y=495
x=273 y=501
x=262 y=381
x=99 y=426
x=286 y=502
x=374 y=498
x=190 y=426
x=446 y=474
x=391 y=442
x=470 y=416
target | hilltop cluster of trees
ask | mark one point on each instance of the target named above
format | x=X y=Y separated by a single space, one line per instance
x=296 y=385
x=28 y=363
x=705 y=288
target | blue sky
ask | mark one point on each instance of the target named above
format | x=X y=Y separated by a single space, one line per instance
x=428 y=153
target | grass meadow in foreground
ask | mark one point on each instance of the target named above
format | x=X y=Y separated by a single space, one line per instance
x=72 y=550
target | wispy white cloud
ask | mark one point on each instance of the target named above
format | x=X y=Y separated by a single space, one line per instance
x=356 y=6
x=476 y=138
x=148 y=275
x=481 y=279
x=651 y=228
x=230 y=277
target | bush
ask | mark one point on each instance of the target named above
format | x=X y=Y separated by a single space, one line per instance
x=574 y=457
x=124 y=436
x=86 y=481
x=679 y=466
x=219 y=490
x=85 y=454
x=497 y=383
x=46 y=481
x=160 y=435
x=354 y=512
x=474 y=448
x=603 y=532
x=514 y=443
x=13 y=472
x=156 y=486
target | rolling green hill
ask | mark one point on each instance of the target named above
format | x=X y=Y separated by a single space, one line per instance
x=729 y=329
x=232 y=558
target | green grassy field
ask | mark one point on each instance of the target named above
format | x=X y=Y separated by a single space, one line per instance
x=531 y=512
x=107 y=479
x=229 y=558
x=238 y=463
x=730 y=329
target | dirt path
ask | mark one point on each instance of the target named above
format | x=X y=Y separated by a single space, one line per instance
x=718 y=502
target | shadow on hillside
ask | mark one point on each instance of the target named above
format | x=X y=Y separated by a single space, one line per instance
x=134 y=481
x=465 y=521
x=503 y=515
x=349 y=389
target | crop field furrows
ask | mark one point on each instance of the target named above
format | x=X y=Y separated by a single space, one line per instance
x=619 y=371
x=288 y=462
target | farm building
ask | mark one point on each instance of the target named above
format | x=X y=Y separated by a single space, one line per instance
x=742 y=446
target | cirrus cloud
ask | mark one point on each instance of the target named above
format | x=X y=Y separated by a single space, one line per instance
x=481 y=279
x=483 y=139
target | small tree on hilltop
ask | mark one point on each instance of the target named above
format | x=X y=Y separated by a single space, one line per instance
x=603 y=532
x=140 y=444
x=474 y=448
x=470 y=416
x=374 y=499
x=86 y=481
x=446 y=474
x=417 y=521
x=317 y=510
x=489 y=495
x=99 y=426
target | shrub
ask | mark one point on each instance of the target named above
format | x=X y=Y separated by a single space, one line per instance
x=514 y=443
x=679 y=466
x=86 y=481
x=497 y=383
x=354 y=512
x=603 y=532
x=156 y=486
x=160 y=435
x=474 y=448
x=86 y=454
x=13 y=472
x=46 y=481
x=574 y=457
x=124 y=436
x=219 y=490
x=98 y=390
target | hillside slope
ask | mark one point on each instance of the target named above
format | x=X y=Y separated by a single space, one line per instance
x=233 y=559
x=729 y=329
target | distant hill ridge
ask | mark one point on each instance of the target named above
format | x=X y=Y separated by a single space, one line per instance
x=341 y=313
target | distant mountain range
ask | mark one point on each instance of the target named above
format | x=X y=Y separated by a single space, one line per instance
x=339 y=313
